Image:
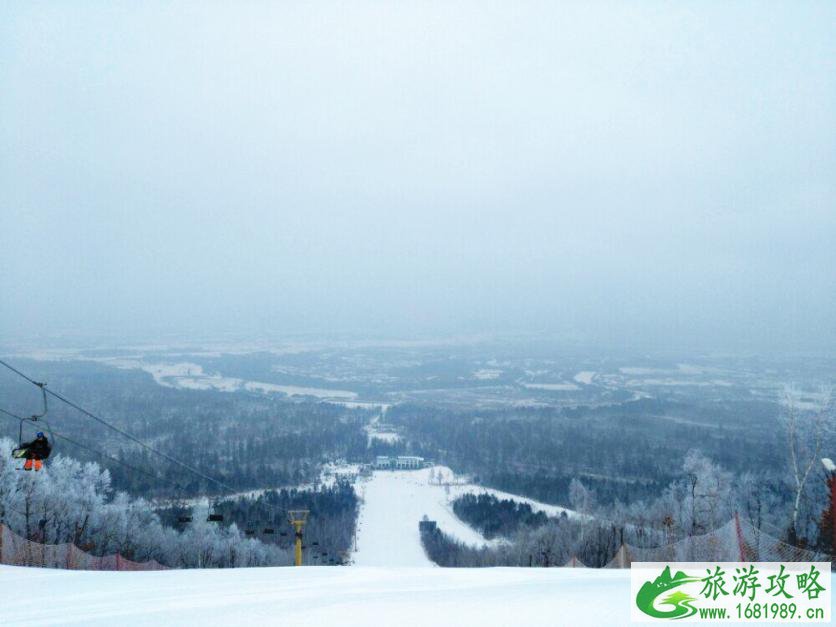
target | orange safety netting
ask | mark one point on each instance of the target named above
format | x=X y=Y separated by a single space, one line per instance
x=17 y=551
x=736 y=541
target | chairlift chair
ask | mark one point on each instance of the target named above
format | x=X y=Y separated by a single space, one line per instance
x=179 y=503
x=37 y=420
x=214 y=516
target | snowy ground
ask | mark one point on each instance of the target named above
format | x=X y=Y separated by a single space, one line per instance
x=191 y=376
x=390 y=437
x=321 y=596
x=331 y=472
x=553 y=387
x=393 y=503
x=585 y=377
x=391 y=583
x=537 y=506
x=318 y=596
x=441 y=478
x=374 y=431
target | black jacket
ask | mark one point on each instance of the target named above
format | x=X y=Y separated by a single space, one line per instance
x=39 y=448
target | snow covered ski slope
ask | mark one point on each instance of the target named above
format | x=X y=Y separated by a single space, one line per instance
x=392 y=583
x=393 y=503
x=315 y=596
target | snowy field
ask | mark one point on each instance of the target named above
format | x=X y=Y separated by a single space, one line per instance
x=375 y=432
x=320 y=596
x=537 y=506
x=191 y=376
x=394 y=502
x=553 y=387
x=585 y=377
x=454 y=485
x=391 y=582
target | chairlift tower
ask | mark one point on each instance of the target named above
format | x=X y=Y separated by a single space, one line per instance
x=298 y=518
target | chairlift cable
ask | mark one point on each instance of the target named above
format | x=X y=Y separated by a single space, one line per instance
x=88 y=448
x=180 y=519
x=161 y=480
x=116 y=429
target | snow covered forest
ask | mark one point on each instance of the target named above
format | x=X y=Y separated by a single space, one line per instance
x=644 y=470
x=247 y=440
x=74 y=502
x=704 y=499
x=639 y=463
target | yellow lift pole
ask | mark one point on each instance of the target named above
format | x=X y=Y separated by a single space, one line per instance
x=297 y=518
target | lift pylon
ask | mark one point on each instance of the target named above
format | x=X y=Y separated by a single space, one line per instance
x=298 y=518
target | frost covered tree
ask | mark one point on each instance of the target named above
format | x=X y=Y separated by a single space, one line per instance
x=73 y=502
x=707 y=498
x=805 y=432
x=582 y=501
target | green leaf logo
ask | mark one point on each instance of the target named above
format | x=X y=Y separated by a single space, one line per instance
x=679 y=601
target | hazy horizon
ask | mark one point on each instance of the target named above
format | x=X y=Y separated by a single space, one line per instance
x=648 y=174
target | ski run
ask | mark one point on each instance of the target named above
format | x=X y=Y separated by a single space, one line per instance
x=390 y=581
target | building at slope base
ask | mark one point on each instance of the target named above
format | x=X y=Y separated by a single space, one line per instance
x=401 y=462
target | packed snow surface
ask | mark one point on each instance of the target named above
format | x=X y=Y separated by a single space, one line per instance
x=317 y=596
x=393 y=503
x=391 y=583
x=537 y=506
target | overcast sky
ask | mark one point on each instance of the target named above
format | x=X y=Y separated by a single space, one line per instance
x=632 y=171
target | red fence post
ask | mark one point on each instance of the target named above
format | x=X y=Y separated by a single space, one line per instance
x=741 y=543
x=832 y=481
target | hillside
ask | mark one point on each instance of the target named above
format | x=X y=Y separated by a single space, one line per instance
x=390 y=582
x=316 y=596
x=392 y=504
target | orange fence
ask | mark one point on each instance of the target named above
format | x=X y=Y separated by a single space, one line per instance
x=17 y=551
x=736 y=541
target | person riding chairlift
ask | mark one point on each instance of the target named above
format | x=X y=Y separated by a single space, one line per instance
x=34 y=452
